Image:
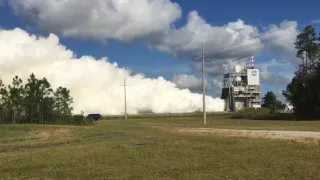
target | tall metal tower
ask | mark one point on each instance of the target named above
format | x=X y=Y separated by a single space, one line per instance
x=241 y=86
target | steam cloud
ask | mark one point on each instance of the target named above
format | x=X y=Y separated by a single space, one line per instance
x=95 y=85
x=184 y=81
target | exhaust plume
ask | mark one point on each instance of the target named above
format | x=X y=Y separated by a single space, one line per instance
x=94 y=84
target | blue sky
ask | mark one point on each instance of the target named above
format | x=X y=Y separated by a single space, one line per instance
x=254 y=12
x=153 y=63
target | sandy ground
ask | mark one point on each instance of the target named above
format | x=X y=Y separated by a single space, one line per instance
x=303 y=136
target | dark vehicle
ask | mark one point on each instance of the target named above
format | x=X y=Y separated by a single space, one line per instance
x=95 y=117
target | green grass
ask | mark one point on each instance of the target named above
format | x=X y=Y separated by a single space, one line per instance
x=138 y=149
x=224 y=122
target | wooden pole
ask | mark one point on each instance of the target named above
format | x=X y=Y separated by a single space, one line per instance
x=203 y=89
x=125 y=99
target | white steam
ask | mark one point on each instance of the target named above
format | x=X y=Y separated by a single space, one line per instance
x=95 y=85
x=185 y=81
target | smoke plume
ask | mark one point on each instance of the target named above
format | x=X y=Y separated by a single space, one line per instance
x=95 y=85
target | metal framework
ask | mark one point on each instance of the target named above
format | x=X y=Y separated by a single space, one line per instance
x=241 y=87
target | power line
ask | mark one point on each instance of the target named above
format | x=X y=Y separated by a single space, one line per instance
x=203 y=81
x=269 y=39
x=276 y=37
x=240 y=58
x=255 y=43
x=219 y=50
x=249 y=45
x=257 y=37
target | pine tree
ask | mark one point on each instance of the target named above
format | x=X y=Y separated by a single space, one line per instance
x=16 y=93
x=270 y=101
x=2 y=102
x=303 y=92
x=307 y=49
x=43 y=97
x=34 y=102
x=31 y=89
x=63 y=102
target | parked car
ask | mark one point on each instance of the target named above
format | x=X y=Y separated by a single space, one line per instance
x=95 y=117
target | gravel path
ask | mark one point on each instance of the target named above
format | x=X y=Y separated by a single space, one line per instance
x=289 y=135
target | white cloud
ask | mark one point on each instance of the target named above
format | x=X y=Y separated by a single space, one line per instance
x=273 y=77
x=100 y=19
x=287 y=32
x=317 y=21
x=212 y=68
x=187 y=40
x=153 y=21
x=217 y=83
x=184 y=81
x=94 y=84
x=124 y=20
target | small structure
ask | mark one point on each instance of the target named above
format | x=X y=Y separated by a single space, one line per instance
x=241 y=87
x=95 y=117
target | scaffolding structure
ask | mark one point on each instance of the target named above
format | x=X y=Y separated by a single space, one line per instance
x=241 y=86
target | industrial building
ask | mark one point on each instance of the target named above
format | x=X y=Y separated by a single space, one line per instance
x=241 y=86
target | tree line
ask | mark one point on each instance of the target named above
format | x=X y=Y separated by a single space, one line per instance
x=35 y=102
x=303 y=92
x=271 y=102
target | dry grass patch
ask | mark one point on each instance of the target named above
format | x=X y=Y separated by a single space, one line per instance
x=48 y=134
x=290 y=136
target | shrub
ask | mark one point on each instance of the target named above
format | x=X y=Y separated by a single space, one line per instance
x=79 y=119
x=251 y=112
x=261 y=114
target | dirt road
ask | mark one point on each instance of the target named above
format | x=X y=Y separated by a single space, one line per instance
x=285 y=135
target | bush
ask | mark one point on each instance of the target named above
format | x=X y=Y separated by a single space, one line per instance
x=261 y=114
x=80 y=119
x=251 y=112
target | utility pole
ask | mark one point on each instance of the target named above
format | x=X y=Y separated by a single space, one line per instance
x=203 y=89
x=125 y=99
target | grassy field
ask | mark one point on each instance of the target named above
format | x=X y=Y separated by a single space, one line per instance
x=223 y=121
x=141 y=149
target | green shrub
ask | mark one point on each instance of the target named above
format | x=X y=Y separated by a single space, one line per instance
x=261 y=114
x=250 y=112
x=80 y=119
x=77 y=119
